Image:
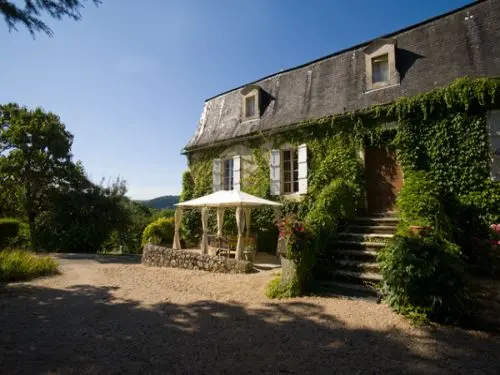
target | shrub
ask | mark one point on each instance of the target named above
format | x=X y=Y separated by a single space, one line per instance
x=159 y=232
x=20 y=265
x=424 y=278
x=419 y=202
x=336 y=202
x=277 y=289
x=13 y=233
x=484 y=253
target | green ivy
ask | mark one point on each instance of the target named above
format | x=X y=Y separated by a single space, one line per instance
x=424 y=278
x=442 y=132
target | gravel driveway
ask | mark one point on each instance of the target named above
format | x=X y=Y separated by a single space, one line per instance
x=110 y=315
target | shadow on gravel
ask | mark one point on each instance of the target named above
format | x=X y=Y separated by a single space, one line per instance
x=101 y=258
x=87 y=330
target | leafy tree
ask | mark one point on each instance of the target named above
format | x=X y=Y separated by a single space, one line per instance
x=30 y=15
x=127 y=236
x=43 y=186
x=11 y=199
x=82 y=219
x=35 y=157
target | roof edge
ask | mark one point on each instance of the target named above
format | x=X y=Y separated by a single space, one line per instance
x=357 y=46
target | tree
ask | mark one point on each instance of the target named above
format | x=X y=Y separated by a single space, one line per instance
x=30 y=15
x=83 y=219
x=35 y=156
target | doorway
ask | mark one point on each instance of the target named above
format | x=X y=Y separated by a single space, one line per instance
x=384 y=178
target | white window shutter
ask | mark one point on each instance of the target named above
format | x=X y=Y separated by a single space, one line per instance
x=274 y=166
x=302 y=161
x=494 y=135
x=216 y=175
x=236 y=172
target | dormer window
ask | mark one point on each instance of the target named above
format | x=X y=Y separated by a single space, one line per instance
x=250 y=106
x=251 y=102
x=380 y=57
x=380 y=69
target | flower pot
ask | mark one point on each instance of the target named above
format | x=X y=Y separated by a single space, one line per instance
x=420 y=230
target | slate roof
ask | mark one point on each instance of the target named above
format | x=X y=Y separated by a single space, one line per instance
x=464 y=42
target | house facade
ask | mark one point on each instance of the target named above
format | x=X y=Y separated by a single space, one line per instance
x=406 y=63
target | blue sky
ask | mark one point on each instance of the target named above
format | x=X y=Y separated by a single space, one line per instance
x=129 y=82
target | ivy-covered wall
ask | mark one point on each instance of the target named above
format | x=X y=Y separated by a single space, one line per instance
x=443 y=132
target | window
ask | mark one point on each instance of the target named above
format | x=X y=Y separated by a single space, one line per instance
x=227 y=174
x=380 y=64
x=380 y=69
x=290 y=171
x=250 y=96
x=250 y=106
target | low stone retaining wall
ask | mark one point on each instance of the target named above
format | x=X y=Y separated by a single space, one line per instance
x=159 y=256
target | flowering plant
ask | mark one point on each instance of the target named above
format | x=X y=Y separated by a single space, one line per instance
x=293 y=232
x=288 y=226
x=495 y=229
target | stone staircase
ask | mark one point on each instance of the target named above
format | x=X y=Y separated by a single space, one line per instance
x=355 y=270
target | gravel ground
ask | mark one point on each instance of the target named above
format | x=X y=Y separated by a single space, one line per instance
x=108 y=315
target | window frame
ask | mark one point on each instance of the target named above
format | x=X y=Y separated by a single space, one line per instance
x=227 y=178
x=377 y=50
x=293 y=171
x=381 y=59
x=249 y=93
x=247 y=100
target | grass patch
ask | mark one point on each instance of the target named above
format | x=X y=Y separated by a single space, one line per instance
x=20 y=265
x=276 y=289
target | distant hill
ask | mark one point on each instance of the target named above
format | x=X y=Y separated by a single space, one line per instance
x=166 y=201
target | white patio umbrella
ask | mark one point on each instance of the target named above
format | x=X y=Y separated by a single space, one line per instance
x=220 y=200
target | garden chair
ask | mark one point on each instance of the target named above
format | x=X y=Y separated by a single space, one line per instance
x=225 y=246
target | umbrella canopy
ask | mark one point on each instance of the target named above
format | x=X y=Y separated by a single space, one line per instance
x=228 y=198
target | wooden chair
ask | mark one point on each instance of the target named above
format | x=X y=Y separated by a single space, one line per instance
x=224 y=246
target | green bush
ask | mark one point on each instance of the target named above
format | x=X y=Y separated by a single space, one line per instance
x=159 y=232
x=277 y=289
x=20 y=265
x=419 y=202
x=13 y=233
x=337 y=201
x=424 y=278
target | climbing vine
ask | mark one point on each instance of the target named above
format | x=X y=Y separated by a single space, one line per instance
x=442 y=132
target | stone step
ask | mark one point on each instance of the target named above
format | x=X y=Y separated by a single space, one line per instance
x=357 y=277
x=357 y=265
x=368 y=245
x=366 y=237
x=367 y=220
x=365 y=255
x=375 y=229
x=339 y=289
x=390 y=214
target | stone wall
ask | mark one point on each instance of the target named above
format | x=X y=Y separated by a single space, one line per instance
x=158 y=256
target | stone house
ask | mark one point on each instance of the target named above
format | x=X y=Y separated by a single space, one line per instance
x=407 y=62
